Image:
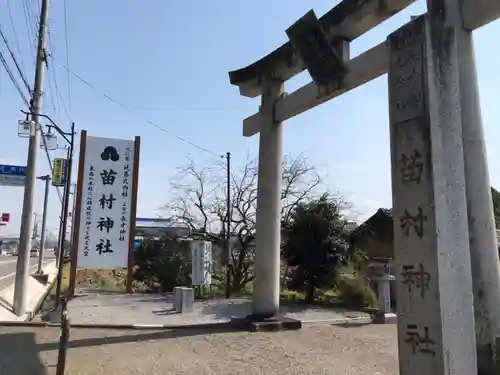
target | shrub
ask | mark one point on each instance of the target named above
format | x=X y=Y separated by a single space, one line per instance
x=355 y=291
x=162 y=264
x=292 y=296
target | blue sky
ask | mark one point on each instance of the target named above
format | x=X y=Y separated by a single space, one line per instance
x=168 y=61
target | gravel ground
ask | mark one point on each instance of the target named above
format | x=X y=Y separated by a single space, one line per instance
x=316 y=349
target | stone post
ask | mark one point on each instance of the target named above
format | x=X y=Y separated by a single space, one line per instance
x=266 y=291
x=436 y=332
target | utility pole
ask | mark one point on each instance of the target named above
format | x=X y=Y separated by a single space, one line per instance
x=73 y=214
x=67 y=187
x=228 y=230
x=63 y=205
x=47 y=179
x=34 y=232
x=59 y=236
x=20 y=297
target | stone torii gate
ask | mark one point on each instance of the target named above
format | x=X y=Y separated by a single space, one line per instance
x=446 y=260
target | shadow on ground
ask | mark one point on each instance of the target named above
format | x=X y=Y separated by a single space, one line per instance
x=6 y=304
x=226 y=309
x=105 y=291
x=20 y=354
x=354 y=324
x=120 y=337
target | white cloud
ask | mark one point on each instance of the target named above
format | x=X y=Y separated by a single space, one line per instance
x=361 y=209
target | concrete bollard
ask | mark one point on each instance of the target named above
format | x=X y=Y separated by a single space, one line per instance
x=187 y=297
x=183 y=299
x=178 y=299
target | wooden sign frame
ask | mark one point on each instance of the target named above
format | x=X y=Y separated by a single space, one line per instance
x=78 y=211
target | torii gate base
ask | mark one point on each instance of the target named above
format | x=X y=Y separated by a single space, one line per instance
x=256 y=323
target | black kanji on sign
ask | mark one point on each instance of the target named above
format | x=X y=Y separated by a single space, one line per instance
x=416 y=276
x=104 y=246
x=413 y=221
x=105 y=223
x=122 y=235
x=412 y=167
x=107 y=201
x=421 y=343
x=108 y=177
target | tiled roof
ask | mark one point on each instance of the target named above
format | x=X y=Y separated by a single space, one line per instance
x=372 y=224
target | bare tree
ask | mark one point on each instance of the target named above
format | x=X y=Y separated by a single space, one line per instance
x=199 y=201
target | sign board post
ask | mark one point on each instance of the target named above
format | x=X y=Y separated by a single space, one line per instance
x=201 y=262
x=12 y=175
x=106 y=204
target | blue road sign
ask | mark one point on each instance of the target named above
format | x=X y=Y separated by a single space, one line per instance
x=12 y=175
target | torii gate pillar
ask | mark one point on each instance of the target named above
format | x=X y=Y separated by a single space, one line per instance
x=266 y=291
x=482 y=232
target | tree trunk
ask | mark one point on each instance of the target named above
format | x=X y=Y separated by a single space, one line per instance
x=283 y=278
x=310 y=292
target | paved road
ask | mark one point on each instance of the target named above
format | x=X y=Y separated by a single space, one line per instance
x=8 y=268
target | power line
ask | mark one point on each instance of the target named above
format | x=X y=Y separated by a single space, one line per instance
x=54 y=80
x=29 y=29
x=13 y=79
x=15 y=60
x=178 y=137
x=16 y=39
x=16 y=84
x=54 y=103
x=44 y=140
x=67 y=51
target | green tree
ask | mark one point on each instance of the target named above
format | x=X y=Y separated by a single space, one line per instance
x=163 y=264
x=315 y=244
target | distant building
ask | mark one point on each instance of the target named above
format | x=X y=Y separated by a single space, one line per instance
x=376 y=236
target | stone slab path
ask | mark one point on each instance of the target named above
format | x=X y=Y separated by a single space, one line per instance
x=102 y=308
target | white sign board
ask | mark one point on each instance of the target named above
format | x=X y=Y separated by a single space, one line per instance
x=106 y=201
x=201 y=257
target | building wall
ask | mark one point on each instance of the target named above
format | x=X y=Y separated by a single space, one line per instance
x=378 y=246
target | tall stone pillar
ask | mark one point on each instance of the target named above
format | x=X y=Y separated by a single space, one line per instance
x=266 y=291
x=436 y=332
x=482 y=233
